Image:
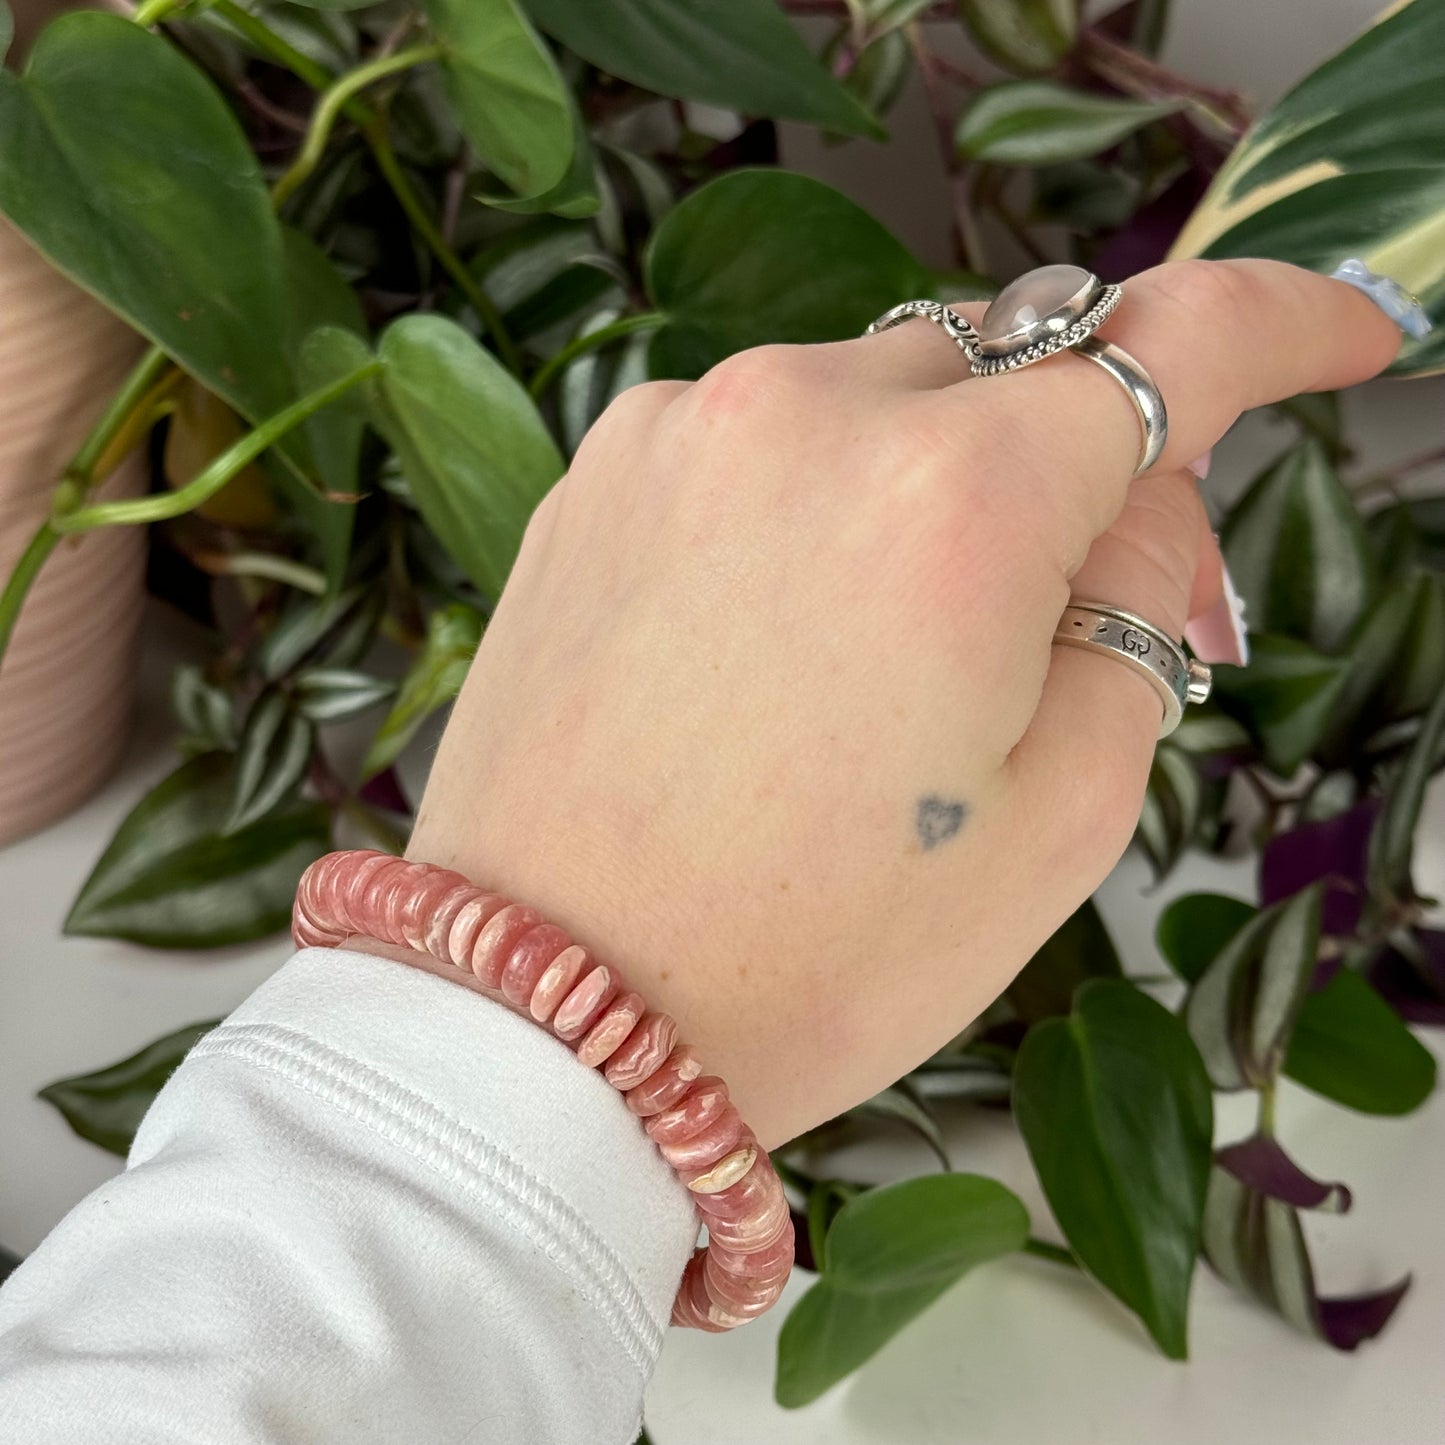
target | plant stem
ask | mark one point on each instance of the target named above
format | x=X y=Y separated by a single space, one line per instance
x=591 y=341
x=116 y=414
x=266 y=565
x=329 y=107
x=1138 y=75
x=152 y=12
x=1266 y=1109
x=32 y=559
x=283 y=52
x=1042 y=1249
x=214 y=476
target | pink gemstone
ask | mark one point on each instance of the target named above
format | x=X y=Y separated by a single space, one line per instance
x=1023 y=303
x=749 y=1293
x=692 y=1113
x=643 y=1053
x=774 y=1256
x=693 y=1308
x=557 y=982
x=535 y=950
x=418 y=906
x=709 y=1145
x=612 y=1027
x=747 y=1231
x=499 y=936
x=714 y=1178
x=439 y=926
x=663 y=1089
x=471 y=918
x=580 y=1009
x=350 y=890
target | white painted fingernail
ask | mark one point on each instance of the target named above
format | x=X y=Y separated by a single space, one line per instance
x=1200 y=465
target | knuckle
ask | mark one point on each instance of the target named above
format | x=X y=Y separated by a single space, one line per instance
x=1205 y=288
x=767 y=376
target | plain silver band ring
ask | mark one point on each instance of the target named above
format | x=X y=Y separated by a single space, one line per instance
x=1177 y=678
x=1139 y=385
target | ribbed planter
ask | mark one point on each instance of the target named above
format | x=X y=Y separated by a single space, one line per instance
x=66 y=683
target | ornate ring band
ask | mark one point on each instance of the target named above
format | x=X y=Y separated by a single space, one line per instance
x=1176 y=677
x=957 y=328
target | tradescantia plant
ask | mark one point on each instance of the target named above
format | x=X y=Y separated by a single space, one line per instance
x=393 y=259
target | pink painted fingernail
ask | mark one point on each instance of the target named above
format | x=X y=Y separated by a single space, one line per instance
x=1200 y=465
x=1219 y=634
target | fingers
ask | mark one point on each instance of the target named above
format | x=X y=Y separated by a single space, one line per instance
x=915 y=355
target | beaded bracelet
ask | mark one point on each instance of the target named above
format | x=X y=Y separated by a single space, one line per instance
x=535 y=966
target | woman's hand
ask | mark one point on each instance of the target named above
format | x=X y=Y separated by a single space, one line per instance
x=769 y=714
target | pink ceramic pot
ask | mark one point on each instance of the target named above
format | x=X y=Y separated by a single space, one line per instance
x=65 y=686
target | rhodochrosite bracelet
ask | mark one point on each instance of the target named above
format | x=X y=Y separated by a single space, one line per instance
x=536 y=968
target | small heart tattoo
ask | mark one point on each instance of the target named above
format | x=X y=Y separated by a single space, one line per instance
x=938 y=820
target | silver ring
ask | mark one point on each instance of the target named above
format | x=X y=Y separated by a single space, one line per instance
x=1176 y=677
x=957 y=328
x=1058 y=308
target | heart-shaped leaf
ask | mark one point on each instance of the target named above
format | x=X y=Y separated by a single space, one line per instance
x=107 y=1106
x=1193 y=930
x=744 y=55
x=1037 y=123
x=127 y=169
x=1351 y=1046
x=1023 y=35
x=889 y=1254
x=1114 y=1105
x=170 y=879
x=1350 y=163
x=1243 y=1007
x=816 y=267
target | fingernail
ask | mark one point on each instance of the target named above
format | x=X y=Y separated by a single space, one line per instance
x=1219 y=635
x=1200 y=465
x=1397 y=303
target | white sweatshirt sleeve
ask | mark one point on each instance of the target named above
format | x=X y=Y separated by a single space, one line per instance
x=370 y=1206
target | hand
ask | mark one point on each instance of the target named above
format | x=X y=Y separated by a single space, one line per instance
x=768 y=713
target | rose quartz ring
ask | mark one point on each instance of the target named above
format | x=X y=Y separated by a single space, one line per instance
x=518 y=958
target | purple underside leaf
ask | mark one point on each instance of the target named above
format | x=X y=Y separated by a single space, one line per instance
x=1263 y=1166
x=1145 y=240
x=1414 y=987
x=385 y=791
x=1337 y=850
x=1350 y=1320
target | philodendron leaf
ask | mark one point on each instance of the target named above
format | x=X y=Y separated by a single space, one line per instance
x=1114 y=1105
x=125 y=166
x=475 y=451
x=1392 y=844
x=1296 y=550
x=1024 y=35
x=816 y=267
x=1244 y=1005
x=744 y=55
x=1193 y=930
x=106 y=1107
x=1080 y=949
x=1256 y=1244
x=1286 y=697
x=1350 y=163
x=510 y=100
x=433 y=680
x=889 y=1254
x=1351 y=1046
x=1039 y=123
x=170 y=879
x=7 y=34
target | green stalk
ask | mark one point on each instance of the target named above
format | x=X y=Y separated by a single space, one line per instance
x=152 y=12
x=283 y=52
x=331 y=104
x=591 y=341
x=270 y=568
x=116 y=414
x=1266 y=1109
x=214 y=476
x=32 y=559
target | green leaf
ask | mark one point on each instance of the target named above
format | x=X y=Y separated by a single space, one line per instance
x=171 y=880
x=744 y=55
x=1352 y=1047
x=333 y=694
x=576 y=193
x=1173 y=810
x=1022 y=35
x=589 y=385
x=1037 y=122
x=1286 y=697
x=816 y=267
x=1193 y=930
x=476 y=454
x=7 y=29
x=127 y=169
x=434 y=679
x=889 y=1254
x=544 y=274
x=1350 y=163
x=1080 y=949
x=901 y=1101
x=1243 y=1007
x=107 y=1106
x=206 y=711
x=1297 y=552
x=271 y=761
x=1392 y=843
x=878 y=73
x=510 y=100
x=1114 y=1105
x=336 y=630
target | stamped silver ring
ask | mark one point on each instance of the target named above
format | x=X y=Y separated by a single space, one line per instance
x=957 y=328
x=1176 y=677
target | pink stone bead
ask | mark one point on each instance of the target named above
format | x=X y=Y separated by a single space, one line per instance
x=439 y=925
x=748 y=1295
x=693 y=1307
x=421 y=902
x=471 y=918
x=580 y=1009
x=365 y=906
x=499 y=936
x=346 y=890
x=557 y=982
x=613 y=1025
x=529 y=960
x=774 y=1256
x=664 y=1088
x=643 y=1052
x=753 y=1229
x=692 y=1113
x=713 y=1178
x=709 y=1145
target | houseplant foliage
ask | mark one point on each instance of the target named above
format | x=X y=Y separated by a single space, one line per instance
x=395 y=258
